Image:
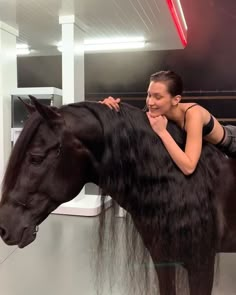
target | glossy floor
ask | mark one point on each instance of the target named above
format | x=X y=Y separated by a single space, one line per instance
x=59 y=262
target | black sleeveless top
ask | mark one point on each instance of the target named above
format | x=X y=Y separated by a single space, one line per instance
x=206 y=128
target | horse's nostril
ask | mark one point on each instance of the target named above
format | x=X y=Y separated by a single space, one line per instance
x=3 y=232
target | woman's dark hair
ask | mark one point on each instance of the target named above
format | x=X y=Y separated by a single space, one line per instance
x=173 y=81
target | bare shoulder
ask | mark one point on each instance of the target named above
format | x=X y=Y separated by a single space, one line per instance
x=194 y=114
x=193 y=109
x=191 y=105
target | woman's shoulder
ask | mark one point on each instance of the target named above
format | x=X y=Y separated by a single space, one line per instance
x=193 y=112
x=189 y=105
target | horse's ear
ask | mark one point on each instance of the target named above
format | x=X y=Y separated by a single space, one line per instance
x=30 y=108
x=46 y=112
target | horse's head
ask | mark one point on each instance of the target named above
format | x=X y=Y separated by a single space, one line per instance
x=47 y=167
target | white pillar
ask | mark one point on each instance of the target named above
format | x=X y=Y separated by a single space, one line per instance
x=8 y=83
x=73 y=91
x=72 y=85
x=72 y=60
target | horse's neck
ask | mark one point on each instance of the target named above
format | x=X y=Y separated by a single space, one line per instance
x=86 y=129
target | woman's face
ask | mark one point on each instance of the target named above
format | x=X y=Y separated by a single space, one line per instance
x=159 y=101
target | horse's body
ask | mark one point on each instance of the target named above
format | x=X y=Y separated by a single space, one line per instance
x=179 y=218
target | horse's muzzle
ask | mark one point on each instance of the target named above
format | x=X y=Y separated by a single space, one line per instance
x=28 y=236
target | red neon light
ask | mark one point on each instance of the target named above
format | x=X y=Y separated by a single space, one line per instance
x=177 y=22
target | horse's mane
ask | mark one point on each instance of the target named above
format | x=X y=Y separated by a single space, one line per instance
x=138 y=171
x=19 y=152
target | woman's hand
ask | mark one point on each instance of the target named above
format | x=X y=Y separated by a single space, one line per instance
x=158 y=123
x=111 y=102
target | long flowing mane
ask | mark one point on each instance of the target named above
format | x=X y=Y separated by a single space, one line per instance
x=138 y=171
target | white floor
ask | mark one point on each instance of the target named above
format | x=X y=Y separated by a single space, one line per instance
x=59 y=262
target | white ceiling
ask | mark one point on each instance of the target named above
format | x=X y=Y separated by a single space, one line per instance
x=38 y=21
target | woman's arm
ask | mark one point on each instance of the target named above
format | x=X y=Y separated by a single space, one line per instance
x=186 y=160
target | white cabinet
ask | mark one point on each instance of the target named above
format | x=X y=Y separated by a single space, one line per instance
x=47 y=95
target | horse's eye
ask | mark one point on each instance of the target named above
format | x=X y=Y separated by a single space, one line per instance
x=36 y=159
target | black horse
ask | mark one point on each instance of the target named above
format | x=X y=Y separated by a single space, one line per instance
x=183 y=219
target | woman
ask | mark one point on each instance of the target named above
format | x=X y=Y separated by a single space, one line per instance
x=164 y=103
